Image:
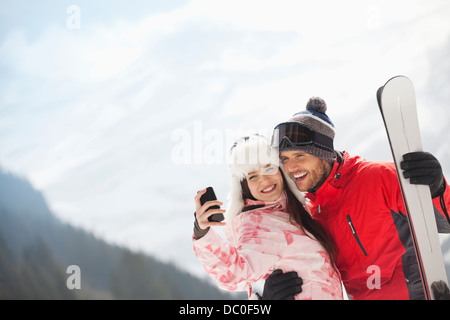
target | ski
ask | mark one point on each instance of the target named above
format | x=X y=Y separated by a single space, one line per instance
x=397 y=103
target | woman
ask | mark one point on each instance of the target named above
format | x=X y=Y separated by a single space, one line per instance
x=267 y=226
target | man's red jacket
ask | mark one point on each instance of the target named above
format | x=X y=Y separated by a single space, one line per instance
x=361 y=208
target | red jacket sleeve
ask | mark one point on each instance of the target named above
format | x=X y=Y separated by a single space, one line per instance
x=442 y=205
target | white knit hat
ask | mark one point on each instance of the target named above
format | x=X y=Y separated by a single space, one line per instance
x=247 y=154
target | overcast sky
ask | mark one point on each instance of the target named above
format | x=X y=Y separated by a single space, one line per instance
x=119 y=111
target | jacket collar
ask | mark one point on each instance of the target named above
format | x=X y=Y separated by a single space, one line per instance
x=278 y=204
x=337 y=179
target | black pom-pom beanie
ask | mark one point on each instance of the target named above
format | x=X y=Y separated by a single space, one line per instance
x=315 y=118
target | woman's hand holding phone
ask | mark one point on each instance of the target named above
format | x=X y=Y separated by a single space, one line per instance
x=204 y=212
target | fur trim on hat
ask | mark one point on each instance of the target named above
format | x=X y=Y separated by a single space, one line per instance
x=250 y=153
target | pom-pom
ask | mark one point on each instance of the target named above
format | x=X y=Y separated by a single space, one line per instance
x=316 y=104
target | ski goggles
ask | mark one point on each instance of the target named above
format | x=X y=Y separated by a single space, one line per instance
x=294 y=134
x=268 y=170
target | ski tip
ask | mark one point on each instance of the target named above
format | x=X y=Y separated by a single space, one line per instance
x=396 y=82
x=397 y=77
x=379 y=93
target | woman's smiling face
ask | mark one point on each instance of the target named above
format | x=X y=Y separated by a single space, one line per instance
x=265 y=184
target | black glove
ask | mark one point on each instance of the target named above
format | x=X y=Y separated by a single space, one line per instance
x=440 y=290
x=424 y=168
x=198 y=232
x=282 y=286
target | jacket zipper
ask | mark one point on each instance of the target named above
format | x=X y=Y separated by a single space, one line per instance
x=356 y=235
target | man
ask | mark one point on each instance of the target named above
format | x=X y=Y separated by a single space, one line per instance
x=360 y=206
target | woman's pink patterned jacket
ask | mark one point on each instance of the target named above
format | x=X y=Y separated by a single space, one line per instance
x=265 y=240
